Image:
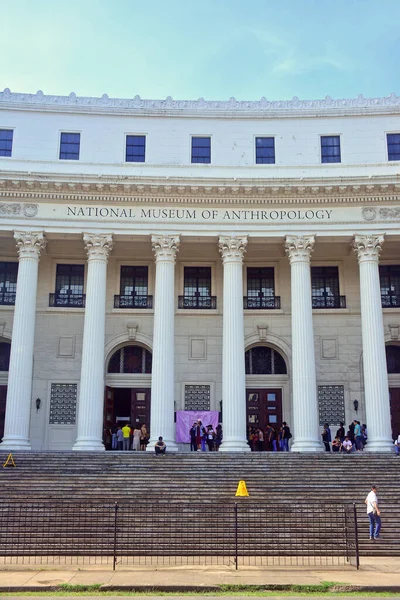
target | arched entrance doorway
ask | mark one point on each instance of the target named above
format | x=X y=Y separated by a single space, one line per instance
x=393 y=369
x=266 y=376
x=5 y=349
x=128 y=388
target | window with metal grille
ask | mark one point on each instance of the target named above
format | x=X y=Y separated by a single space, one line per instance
x=330 y=149
x=263 y=360
x=8 y=282
x=135 y=148
x=70 y=146
x=260 y=282
x=5 y=349
x=6 y=140
x=130 y=359
x=325 y=287
x=63 y=403
x=393 y=146
x=390 y=285
x=265 y=150
x=331 y=404
x=201 y=150
x=69 y=285
x=393 y=359
x=197 y=397
x=134 y=281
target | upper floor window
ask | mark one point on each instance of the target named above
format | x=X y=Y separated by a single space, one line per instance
x=390 y=285
x=69 y=286
x=135 y=148
x=6 y=140
x=69 y=146
x=197 y=288
x=201 y=150
x=130 y=359
x=263 y=360
x=8 y=282
x=133 y=288
x=393 y=146
x=325 y=288
x=261 y=288
x=330 y=149
x=265 y=150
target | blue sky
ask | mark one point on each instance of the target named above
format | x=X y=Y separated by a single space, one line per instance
x=209 y=48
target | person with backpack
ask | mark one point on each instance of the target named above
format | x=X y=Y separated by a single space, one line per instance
x=286 y=435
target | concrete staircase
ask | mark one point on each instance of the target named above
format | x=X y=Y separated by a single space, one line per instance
x=213 y=478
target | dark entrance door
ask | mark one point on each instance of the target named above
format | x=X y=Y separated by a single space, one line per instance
x=140 y=407
x=264 y=407
x=394 y=394
x=3 y=396
x=124 y=405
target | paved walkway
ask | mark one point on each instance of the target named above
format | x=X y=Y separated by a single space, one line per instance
x=374 y=574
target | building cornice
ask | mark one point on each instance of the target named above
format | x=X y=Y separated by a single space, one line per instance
x=205 y=191
x=231 y=108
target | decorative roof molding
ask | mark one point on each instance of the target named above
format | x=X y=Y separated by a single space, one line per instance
x=201 y=107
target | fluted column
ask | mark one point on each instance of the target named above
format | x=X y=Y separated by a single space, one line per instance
x=165 y=248
x=305 y=406
x=91 y=394
x=19 y=389
x=377 y=403
x=233 y=366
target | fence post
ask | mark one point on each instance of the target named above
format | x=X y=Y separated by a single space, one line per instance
x=236 y=536
x=115 y=535
x=346 y=532
x=356 y=536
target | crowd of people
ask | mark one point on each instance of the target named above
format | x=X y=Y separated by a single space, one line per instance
x=126 y=437
x=270 y=439
x=203 y=437
x=352 y=440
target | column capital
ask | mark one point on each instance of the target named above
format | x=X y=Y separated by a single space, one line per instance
x=98 y=245
x=165 y=247
x=30 y=243
x=232 y=248
x=368 y=247
x=299 y=247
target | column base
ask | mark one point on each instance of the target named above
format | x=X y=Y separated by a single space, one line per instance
x=307 y=446
x=234 y=446
x=11 y=443
x=385 y=445
x=88 y=446
x=171 y=446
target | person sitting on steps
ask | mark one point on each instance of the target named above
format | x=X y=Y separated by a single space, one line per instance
x=160 y=446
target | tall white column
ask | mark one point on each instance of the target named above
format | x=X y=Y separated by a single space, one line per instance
x=19 y=389
x=233 y=365
x=377 y=403
x=165 y=248
x=91 y=394
x=305 y=405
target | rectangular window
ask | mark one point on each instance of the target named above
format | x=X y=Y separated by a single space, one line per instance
x=201 y=150
x=330 y=149
x=6 y=140
x=390 y=285
x=325 y=288
x=265 y=150
x=331 y=404
x=69 y=146
x=393 y=145
x=135 y=148
x=8 y=282
x=133 y=288
x=69 y=286
x=197 y=288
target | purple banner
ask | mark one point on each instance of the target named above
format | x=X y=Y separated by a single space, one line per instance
x=186 y=418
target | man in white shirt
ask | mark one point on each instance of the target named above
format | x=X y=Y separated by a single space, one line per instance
x=373 y=513
x=347 y=445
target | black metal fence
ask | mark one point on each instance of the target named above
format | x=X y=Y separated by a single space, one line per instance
x=135 y=533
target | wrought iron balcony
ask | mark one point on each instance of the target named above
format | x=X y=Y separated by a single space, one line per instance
x=133 y=301
x=263 y=302
x=67 y=300
x=7 y=298
x=391 y=301
x=329 y=301
x=197 y=302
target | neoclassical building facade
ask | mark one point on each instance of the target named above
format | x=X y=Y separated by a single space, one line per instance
x=164 y=256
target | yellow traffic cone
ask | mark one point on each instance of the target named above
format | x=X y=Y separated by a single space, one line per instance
x=242 y=489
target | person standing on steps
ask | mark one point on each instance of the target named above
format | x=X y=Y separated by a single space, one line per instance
x=192 y=433
x=286 y=435
x=126 y=432
x=373 y=513
x=144 y=437
x=137 y=433
x=341 y=434
x=120 y=438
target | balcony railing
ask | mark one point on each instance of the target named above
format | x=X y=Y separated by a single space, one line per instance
x=67 y=300
x=329 y=301
x=133 y=301
x=197 y=302
x=391 y=301
x=263 y=302
x=7 y=298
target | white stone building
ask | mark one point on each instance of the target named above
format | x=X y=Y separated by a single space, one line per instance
x=176 y=255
